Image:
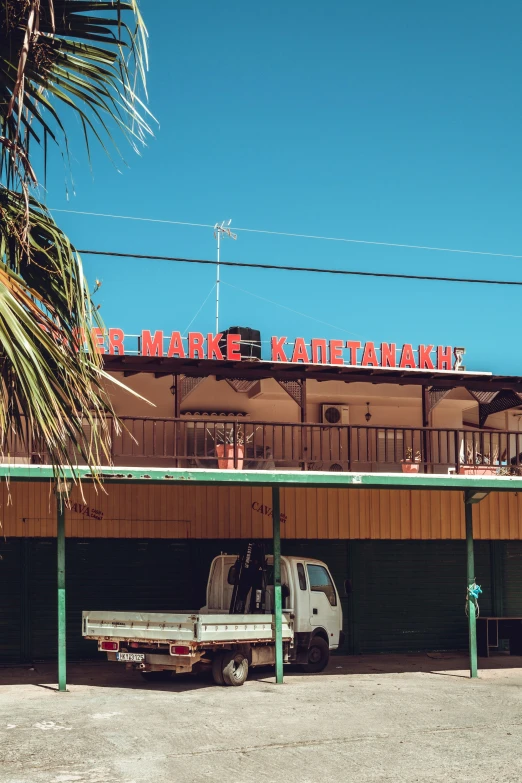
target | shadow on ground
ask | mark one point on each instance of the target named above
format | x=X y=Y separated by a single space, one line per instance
x=110 y=675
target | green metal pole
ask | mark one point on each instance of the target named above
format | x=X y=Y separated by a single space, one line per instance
x=472 y=620
x=62 y=657
x=278 y=606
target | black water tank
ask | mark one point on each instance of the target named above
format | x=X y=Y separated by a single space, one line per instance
x=250 y=341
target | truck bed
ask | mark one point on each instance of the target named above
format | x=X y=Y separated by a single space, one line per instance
x=182 y=627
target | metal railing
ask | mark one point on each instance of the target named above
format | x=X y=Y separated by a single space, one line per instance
x=257 y=445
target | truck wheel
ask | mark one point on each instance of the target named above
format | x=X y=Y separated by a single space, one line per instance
x=217 y=668
x=318 y=655
x=235 y=668
x=161 y=676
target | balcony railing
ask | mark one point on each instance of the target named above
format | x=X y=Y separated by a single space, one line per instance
x=257 y=445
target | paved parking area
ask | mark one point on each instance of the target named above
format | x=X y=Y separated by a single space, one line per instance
x=374 y=718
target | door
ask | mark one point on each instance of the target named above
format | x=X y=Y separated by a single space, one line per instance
x=324 y=609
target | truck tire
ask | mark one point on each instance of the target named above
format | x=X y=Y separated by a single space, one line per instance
x=217 y=668
x=161 y=676
x=234 y=668
x=318 y=655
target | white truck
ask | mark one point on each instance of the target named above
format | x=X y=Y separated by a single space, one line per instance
x=159 y=644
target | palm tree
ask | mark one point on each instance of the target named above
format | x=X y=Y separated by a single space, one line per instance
x=57 y=58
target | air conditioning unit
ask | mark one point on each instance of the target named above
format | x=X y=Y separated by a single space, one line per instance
x=335 y=414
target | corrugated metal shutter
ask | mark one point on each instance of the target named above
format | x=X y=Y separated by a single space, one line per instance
x=410 y=595
x=10 y=600
x=119 y=574
x=43 y=599
x=512 y=562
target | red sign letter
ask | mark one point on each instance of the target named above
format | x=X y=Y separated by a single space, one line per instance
x=196 y=350
x=151 y=346
x=316 y=345
x=407 y=357
x=425 y=362
x=98 y=339
x=336 y=351
x=234 y=347
x=116 y=337
x=300 y=353
x=388 y=355
x=444 y=358
x=353 y=346
x=278 y=354
x=176 y=346
x=213 y=349
x=369 y=358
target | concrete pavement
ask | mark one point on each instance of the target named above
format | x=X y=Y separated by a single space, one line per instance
x=374 y=718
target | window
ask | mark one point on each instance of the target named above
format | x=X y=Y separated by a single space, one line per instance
x=301 y=576
x=320 y=582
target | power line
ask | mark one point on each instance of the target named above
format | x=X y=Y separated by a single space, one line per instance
x=298 y=236
x=315 y=270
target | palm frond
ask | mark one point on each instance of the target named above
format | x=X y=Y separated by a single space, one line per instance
x=51 y=378
x=78 y=53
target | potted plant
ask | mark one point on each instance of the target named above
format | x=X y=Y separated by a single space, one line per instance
x=411 y=464
x=480 y=464
x=227 y=450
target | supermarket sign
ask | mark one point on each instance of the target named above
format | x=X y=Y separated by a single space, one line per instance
x=227 y=347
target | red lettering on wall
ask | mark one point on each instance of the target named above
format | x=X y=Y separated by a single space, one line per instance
x=195 y=345
x=407 y=357
x=316 y=345
x=98 y=339
x=369 y=358
x=116 y=337
x=353 y=346
x=388 y=355
x=278 y=354
x=213 y=349
x=425 y=362
x=234 y=347
x=151 y=346
x=176 y=346
x=336 y=351
x=444 y=358
x=300 y=353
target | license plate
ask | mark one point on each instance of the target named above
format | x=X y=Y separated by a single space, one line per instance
x=134 y=657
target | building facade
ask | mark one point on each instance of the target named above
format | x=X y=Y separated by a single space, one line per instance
x=397 y=555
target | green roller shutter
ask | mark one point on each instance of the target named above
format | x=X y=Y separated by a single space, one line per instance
x=11 y=624
x=512 y=578
x=410 y=595
x=104 y=574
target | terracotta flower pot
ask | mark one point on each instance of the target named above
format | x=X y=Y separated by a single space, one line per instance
x=226 y=451
x=477 y=470
x=410 y=467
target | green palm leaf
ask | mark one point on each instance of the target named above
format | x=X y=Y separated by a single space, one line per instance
x=85 y=56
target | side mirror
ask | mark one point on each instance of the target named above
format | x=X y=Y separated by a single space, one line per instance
x=348 y=586
x=285 y=592
x=232 y=575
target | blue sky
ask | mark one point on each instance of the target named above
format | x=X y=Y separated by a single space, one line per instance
x=392 y=122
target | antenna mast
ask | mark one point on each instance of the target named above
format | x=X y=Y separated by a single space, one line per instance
x=220 y=228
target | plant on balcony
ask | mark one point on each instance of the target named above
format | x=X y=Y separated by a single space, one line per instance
x=230 y=446
x=411 y=464
x=478 y=464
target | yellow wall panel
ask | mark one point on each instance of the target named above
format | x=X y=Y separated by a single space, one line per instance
x=171 y=511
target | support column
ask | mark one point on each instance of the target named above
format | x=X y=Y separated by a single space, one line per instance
x=278 y=605
x=62 y=655
x=472 y=620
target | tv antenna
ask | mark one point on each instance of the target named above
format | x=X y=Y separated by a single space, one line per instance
x=220 y=228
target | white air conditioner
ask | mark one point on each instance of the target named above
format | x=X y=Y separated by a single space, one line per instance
x=335 y=414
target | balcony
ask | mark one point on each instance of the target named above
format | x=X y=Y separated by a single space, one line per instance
x=255 y=445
